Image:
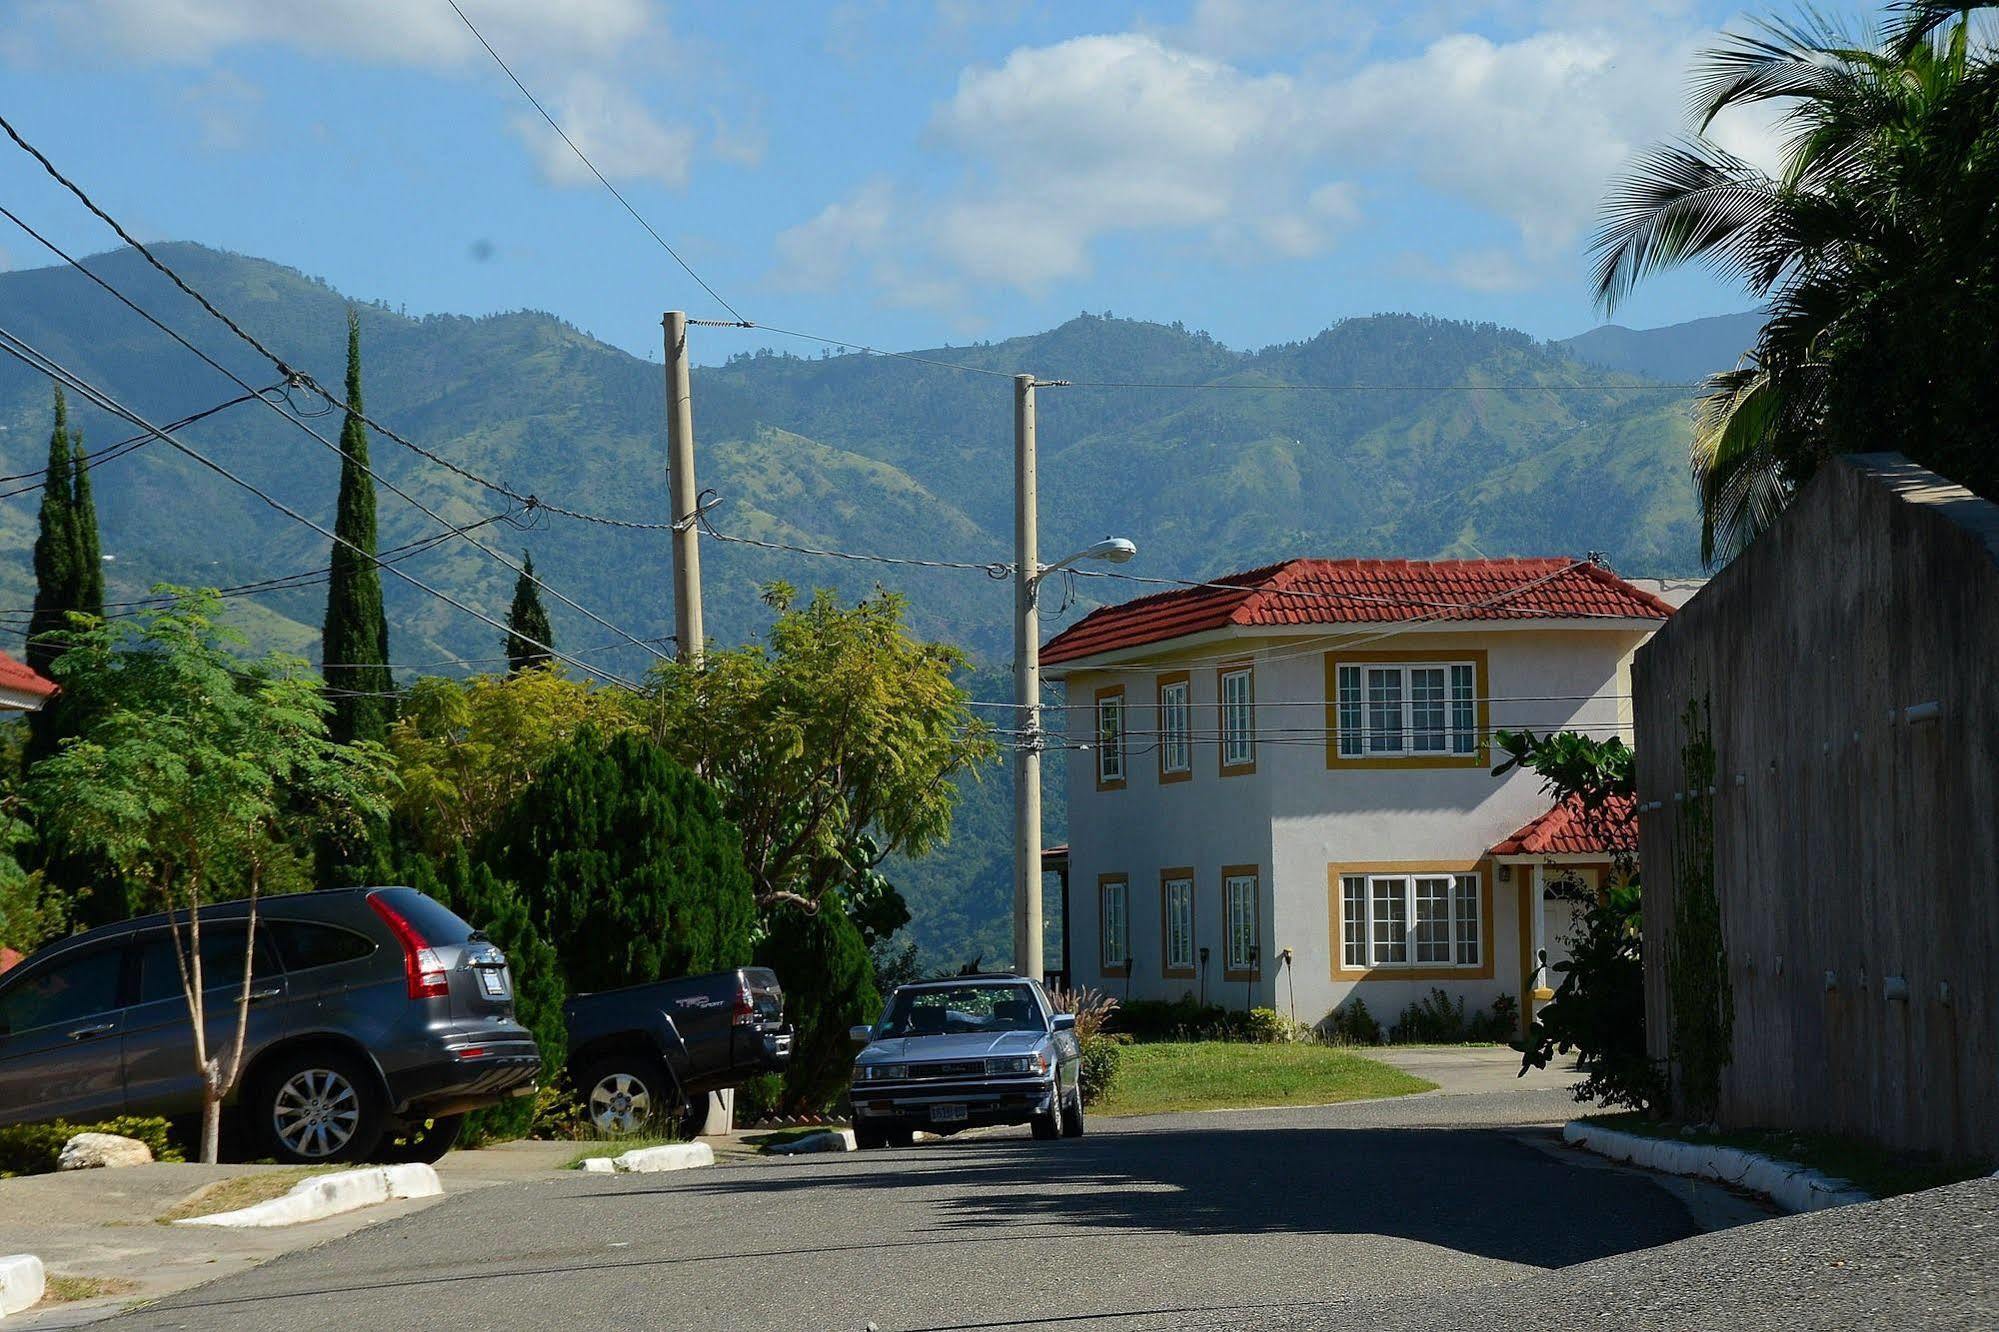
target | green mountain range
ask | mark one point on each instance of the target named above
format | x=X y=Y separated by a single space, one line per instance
x=1392 y=435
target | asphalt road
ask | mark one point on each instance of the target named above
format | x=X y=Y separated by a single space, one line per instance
x=1241 y=1219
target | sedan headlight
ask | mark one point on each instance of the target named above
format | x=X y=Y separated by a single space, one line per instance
x=880 y=1072
x=1016 y=1066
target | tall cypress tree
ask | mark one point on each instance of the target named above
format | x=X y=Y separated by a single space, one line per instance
x=69 y=570
x=527 y=622
x=355 y=651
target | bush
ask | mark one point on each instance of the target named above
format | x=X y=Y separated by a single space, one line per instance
x=829 y=986
x=1599 y=1009
x=1351 y=1024
x=33 y=1149
x=1264 y=1026
x=759 y=1098
x=1102 y=1054
x=1500 y=1026
x=1437 y=1020
x=1092 y=1009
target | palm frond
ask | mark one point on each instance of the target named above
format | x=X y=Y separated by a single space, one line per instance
x=1679 y=201
x=1809 y=57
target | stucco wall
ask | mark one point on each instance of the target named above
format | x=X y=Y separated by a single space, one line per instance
x=1294 y=817
x=1856 y=852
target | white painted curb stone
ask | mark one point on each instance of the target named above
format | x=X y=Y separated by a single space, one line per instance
x=1793 y=1187
x=833 y=1140
x=330 y=1195
x=22 y=1282
x=652 y=1160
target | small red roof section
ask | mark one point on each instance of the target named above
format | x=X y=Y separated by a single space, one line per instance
x=8 y=959
x=1309 y=592
x=1566 y=830
x=24 y=679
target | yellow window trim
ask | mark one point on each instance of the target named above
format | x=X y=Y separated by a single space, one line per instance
x=1246 y=666
x=1185 y=774
x=1480 y=756
x=1123 y=737
x=1166 y=970
x=1335 y=905
x=1255 y=874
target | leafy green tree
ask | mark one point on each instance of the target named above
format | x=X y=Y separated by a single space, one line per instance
x=834 y=745
x=355 y=648
x=829 y=985
x=1598 y=1010
x=31 y=912
x=466 y=749
x=69 y=571
x=628 y=865
x=191 y=767
x=1876 y=247
x=527 y=623
x=491 y=903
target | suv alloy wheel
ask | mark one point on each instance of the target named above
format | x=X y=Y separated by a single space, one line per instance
x=318 y=1106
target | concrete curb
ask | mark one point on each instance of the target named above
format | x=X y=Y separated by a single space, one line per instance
x=835 y=1140
x=1793 y=1187
x=652 y=1160
x=22 y=1282
x=330 y=1195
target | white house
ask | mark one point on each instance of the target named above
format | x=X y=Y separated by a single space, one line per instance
x=1280 y=788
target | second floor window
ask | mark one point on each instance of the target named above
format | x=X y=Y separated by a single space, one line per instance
x=1175 y=749
x=1238 y=689
x=1417 y=710
x=1110 y=739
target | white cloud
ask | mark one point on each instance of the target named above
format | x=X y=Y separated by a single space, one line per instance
x=224 y=107
x=612 y=128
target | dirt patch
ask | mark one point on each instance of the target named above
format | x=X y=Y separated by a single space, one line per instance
x=227 y=1195
x=66 y=1289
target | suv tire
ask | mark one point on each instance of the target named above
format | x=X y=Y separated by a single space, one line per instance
x=1072 y=1116
x=317 y=1106
x=424 y=1142
x=868 y=1138
x=625 y=1094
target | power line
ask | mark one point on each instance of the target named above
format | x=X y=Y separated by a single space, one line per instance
x=1274 y=386
x=992 y=569
x=113 y=452
x=27 y=354
x=462 y=533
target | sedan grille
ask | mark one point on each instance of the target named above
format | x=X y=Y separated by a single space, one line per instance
x=955 y=1068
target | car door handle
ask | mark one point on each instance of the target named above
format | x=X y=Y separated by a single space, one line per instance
x=95 y=1029
x=272 y=992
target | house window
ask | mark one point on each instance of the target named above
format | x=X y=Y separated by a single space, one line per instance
x=1406 y=710
x=1110 y=738
x=1239 y=917
x=1115 y=920
x=1410 y=920
x=1176 y=912
x=1176 y=754
x=1238 y=692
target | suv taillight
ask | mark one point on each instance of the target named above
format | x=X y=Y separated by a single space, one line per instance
x=422 y=967
x=746 y=1006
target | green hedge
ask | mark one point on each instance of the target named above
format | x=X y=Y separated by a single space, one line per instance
x=33 y=1149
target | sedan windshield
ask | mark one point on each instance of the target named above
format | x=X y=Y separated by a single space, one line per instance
x=963 y=1009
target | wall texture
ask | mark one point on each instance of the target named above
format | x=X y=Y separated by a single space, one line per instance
x=1856 y=843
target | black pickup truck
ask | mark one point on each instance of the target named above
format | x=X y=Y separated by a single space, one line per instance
x=650 y=1054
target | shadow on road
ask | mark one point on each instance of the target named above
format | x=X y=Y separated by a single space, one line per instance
x=1472 y=1191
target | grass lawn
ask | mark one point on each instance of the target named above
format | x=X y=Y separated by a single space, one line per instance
x=1216 y=1075
x=243 y=1191
x=1881 y=1171
x=64 y=1289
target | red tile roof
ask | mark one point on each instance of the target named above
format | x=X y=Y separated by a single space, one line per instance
x=1566 y=830
x=8 y=959
x=1309 y=592
x=23 y=679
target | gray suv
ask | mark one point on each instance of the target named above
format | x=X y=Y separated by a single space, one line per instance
x=376 y=1017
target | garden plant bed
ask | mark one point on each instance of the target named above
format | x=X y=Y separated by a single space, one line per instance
x=1216 y=1075
x=1879 y=1171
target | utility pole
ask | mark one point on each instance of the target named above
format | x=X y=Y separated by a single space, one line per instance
x=684 y=496
x=1026 y=690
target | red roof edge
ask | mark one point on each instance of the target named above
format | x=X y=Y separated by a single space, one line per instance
x=24 y=679
x=1569 y=830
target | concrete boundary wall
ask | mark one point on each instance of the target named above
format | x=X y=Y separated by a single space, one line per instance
x=1851 y=659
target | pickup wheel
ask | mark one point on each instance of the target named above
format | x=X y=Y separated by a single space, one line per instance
x=625 y=1094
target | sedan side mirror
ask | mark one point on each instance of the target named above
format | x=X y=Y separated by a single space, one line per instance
x=1065 y=1022
x=860 y=1035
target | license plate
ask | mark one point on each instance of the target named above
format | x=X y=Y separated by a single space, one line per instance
x=493 y=980
x=947 y=1114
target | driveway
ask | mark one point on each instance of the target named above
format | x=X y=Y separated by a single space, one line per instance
x=1175 y=1220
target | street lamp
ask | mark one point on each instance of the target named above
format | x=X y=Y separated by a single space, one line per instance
x=1028 y=573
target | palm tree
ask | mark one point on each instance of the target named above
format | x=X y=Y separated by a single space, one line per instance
x=1876 y=248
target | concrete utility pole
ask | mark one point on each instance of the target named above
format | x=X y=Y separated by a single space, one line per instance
x=1026 y=690
x=684 y=496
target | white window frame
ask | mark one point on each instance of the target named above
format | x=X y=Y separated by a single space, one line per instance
x=1110 y=753
x=1396 y=906
x=1367 y=691
x=1176 y=897
x=1240 y=951
x=1176 y=748
x=1114 y=912
x=1238 y=716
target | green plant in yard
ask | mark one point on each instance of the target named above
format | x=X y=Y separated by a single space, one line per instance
x=1437 y=1019
x=829 y=987
x=1101 y=1050
x=194 y=774
x=1205 y=1075
x=1703 y=1004
x=354 y=646
x=33 y=1149
x=1351 y=1024
x=1103 y=1055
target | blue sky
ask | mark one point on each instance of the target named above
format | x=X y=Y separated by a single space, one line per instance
x=898 y=174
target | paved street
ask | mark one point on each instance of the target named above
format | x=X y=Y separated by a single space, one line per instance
x=1179 y=1220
